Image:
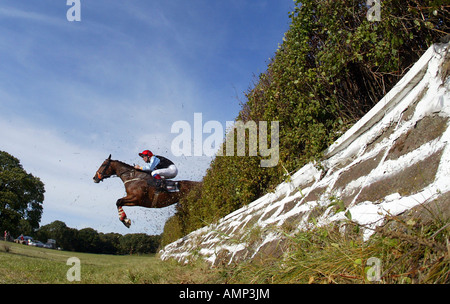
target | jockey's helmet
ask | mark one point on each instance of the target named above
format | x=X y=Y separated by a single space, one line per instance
x=146 y=153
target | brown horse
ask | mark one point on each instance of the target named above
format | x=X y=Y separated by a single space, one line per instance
x=141 y=188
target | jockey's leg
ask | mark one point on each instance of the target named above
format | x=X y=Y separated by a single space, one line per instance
x=163 y=174
x=167 y=173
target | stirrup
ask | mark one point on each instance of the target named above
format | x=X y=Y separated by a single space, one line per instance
x=172 y=186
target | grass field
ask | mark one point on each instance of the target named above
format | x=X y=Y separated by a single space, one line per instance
x=26 y=264
x=408 y=251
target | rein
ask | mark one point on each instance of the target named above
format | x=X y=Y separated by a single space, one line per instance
x=100 y=175
x=132 y=172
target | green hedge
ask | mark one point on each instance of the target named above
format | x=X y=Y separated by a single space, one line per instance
x=332 y=67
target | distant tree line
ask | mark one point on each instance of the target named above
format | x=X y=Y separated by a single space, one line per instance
x=90 y=241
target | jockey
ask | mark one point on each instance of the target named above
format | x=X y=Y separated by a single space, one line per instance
x=158 y=166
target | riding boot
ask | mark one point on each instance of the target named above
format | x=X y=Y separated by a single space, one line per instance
x=160 y=183
x=162 y=186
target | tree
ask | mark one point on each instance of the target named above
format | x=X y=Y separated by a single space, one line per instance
x=110 y=242
x=88 y=241
x=21 y=196
x=64 y=236
x=139 y=243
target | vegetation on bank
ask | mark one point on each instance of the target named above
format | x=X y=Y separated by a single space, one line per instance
x=332 y=67
x=404 y=251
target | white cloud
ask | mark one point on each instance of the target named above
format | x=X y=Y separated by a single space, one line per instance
x=67 y=170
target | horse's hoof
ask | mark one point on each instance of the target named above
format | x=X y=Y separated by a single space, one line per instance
x=127 y=222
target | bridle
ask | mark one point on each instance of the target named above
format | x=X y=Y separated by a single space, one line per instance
x=100 y=176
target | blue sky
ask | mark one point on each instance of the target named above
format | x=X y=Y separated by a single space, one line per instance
x=71 y=93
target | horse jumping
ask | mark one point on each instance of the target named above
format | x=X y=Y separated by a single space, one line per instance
x=141 y=188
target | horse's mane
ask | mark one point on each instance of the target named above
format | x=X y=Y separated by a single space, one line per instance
x=131 y=167
x=121 y=162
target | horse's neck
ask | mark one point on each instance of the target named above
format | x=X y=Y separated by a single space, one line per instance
x=121 y=169
x=126 y=172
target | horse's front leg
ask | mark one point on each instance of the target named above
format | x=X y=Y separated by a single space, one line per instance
x=122 y=215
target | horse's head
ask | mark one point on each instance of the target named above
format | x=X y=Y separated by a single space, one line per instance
x=104 y=171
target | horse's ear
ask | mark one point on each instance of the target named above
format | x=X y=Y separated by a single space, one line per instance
x=109 y=157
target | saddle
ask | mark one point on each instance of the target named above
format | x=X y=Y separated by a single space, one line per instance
x=163 y=185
